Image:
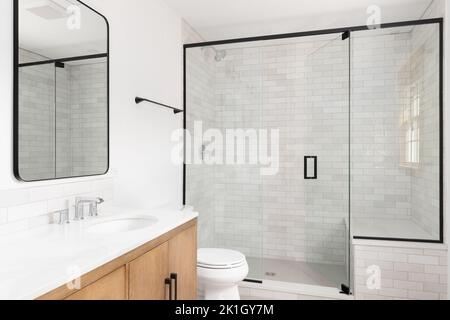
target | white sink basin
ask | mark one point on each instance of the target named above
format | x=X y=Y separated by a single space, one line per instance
x=122 y=224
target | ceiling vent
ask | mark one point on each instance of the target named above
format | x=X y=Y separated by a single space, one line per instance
x=48 y=10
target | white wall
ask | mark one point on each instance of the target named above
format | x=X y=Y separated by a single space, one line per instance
x=146 y=59
x=328 y=18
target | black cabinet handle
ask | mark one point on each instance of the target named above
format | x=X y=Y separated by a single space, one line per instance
x=308 y=176
x=174 y=279
x=168 y=283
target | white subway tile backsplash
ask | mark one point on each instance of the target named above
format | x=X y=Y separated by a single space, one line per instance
x=27 y=211
x=45 y=193
x=3 y=216
x=59 y=203
x=78 y=188
x=14 y=197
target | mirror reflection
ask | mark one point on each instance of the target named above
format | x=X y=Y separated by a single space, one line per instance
x=62 y=96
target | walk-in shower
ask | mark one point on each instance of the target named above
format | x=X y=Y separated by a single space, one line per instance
x=357 y=118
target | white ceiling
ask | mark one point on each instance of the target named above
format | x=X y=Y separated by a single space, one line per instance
x=52 y=38
x=215 y=19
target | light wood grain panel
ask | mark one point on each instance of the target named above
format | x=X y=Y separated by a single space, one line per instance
x=110 y=287
x=183 y=262
x=147 y=274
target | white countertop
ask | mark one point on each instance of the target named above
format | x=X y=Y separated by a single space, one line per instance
x=38 y=261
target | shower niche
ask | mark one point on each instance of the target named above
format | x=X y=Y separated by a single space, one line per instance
x=356 y=115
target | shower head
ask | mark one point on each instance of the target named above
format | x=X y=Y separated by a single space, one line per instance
x=220 y=55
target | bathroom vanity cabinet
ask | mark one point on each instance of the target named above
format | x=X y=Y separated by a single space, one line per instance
x=163 y=269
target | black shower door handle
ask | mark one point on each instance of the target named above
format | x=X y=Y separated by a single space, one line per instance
x=310 y=167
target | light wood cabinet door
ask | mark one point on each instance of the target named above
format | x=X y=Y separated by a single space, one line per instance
x=110 y=287
x=147 y=274
x=183 y=262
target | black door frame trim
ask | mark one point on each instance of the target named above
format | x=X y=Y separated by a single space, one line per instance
x=314 y=33
x=17 y=65
x=439 y=21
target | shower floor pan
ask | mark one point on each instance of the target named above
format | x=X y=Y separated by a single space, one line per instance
x=295 y=280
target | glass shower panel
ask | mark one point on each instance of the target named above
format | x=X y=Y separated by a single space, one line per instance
x=396 y=133
x=305 y=204
x=324 y=136
x=223 y=118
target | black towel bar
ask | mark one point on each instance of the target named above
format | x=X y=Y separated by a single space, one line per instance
x=140 y=100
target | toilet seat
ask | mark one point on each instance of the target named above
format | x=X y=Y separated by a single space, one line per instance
x=220 y=259
x=219 y=272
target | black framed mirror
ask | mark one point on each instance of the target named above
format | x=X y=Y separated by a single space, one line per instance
x=61 y=90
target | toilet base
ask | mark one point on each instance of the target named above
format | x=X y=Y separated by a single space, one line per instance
x=221 y=293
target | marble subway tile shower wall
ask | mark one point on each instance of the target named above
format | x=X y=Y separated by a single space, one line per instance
x=202 y=187
x=248 y=204
x=367 y=97
x=395 y=133
x=88 y=117
x=38 y=114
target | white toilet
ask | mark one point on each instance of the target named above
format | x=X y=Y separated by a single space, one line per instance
x=219 y=273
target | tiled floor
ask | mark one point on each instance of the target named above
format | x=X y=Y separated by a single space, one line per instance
x=298 y=272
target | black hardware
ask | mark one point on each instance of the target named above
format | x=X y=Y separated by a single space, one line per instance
x=345 y=290
x=307 y=176
x=168 y=282
x=253 y=281
x=140 y=100
x=59 y=64
x=346 y=35
x=174 y=279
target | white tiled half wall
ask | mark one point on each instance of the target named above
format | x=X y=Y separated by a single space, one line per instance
x=409 y=271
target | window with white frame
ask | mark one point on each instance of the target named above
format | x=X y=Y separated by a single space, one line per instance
x=411 y=128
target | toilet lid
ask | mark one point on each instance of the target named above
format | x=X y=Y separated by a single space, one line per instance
x=220 y=258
